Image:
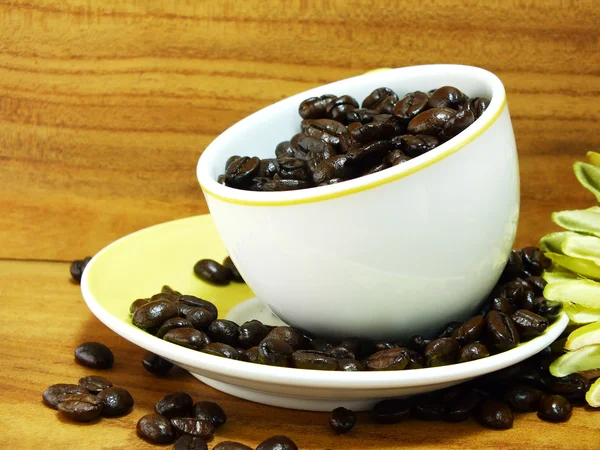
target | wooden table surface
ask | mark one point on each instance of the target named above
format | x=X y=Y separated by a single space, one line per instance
x=106 y=105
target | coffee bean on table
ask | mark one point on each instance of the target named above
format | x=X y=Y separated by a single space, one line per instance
x=429 y=407
x=95 y=383
x=392 y=411
x=94 y=355
x=573 y=386
x=277 y=443
x=234 y=273
x=555 y=408
x=155 y=429
x=116 y=400
x=495 y=414
x=77 y=268
x=342 y=420
x=153 y=314
x=463 y=406
x=80 y=407
x=187 y=337
x=231 y=445
x=156 y=365
x=52 y=394
x=177 y=404
x=187 y=442
x=523 y=398
x=211 y=412
x=212 y=272
x=194 y=427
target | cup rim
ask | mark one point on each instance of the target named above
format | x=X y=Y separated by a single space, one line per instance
x=207 y=160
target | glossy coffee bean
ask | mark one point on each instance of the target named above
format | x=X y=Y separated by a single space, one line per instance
x=350 y=348
x=495 y=414
x=328 y=131
x=80 y=407
x=503 y=305
x=177 y=404
x=315 y=107
x=212 y=272
x=414 y=146
x=289 y=335
x=392 y=411
x=251 y=333
x=396 y=157
x=252 y=354
x=375 y=98
x=234 y=274
x=283 y=185
x=350 y=365
x=446 y=97
x=199 y=303
x=514 y=266
x=284 y=149
x=418 y=343
x=523 y=398
x=292 y=169
x=360 y=116
x=534 y=260
x=153 y=314
x=501 y=331
x=573 y=386
x=537 y=283
x=429 y=407
x=94 y=383
x=194 y=427
x=187 y=442
x=337 y=166
x=457 y=124
x=136 y=304
x=549 y=309
x=275 y=352
x=374 y=151
x=555 y=408
x=211 y=412
x=529 y=323
x=411 y=105
x=374 y=131
x=342 y=420
x=224 y=331
x=77 y=267
x=430 y=121
x=222 y=350
x=94 y=355
x=187 y=337
x=392 y=359
x=156 y=365
x=469 y=331
x=312 y=360
x=240 y=172
x=338 y=107
x=117 y=401
x=163 y=296
x=231 y=445
x=463 y=406
x=198 y=318
x=52 y=394
x=172 y=323
x=527 y=301
x=441 y=352
x=277 y=443
x=472 y=352
x=155 y=429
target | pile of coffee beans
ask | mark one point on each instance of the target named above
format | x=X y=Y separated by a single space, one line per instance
x=212 y=272
x=341 y=141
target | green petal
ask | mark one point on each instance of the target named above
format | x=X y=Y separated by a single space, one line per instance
x=594 y=158
x=582 y=220
x=583 y=267
x=581 y=314
x=581 y=246
x=553 y=242
x=580 y=292
x=589 y=176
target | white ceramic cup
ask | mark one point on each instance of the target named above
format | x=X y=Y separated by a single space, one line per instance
x=388 y=255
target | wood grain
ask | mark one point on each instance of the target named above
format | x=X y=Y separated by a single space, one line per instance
x=44 y=319
x=105 y=106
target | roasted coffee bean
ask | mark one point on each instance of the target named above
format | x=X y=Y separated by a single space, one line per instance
x=136 y=304
x=187 y=337
x=199 y=303
x=77 y=268
x=396 y=157
x=555 y=408
x=392 y=359
x=241 y=171
x=284 y=149
x=392 y=411
x=350 y=365
x=199 y=318
x=329 y=131
x=337 y=108
x=337 y=166
x=469 y=331
x=194 y=427
x=116 y=401
x=163 y=296
x=429 y=407
x=350 y=348
x=277 y=443
x=534 y=260
x=503 y=305
x=460 y=122
x=80 y=407
x=418 y=343
x=315 y=157
x=573 y=386
x=52 y=394
x=430 y=121
x=94 y=383
x=156 y=365
x=234 y=274
x=411 y=105
x=473 y=351
x=222 y=350
x=292 y=169
x=267 y=169
x=477 y=104
x=212 y=272
x=537 y=283
x=211 y=412
x=310 y=359
x=441 y=352
x=172 y=323
x=252 y=354
x=375 y=151
x=462 y=406
x=501 y=331
x=529 y=323
x=549 y=309
x=320 y=345
x=308 y=144
x=448 y=329
x=527 y=301
x=514 y=266
x=495 y=414
x=187 y=442
x=414 y=146
x=230 y=160
x=523 y=398
x=289 y=335
x=284 y=185
x=417 y=360
x=177 y=404
x=275 y=352
x=251 y=333
x=231 y=445
x=153 y=314
x=447 y=97
x=360 y=116
x=342 y=420
x=221 y=179
x=224 y=331
x=374 y=131
x=375 y=98
x=385 y=345
x=183 y=309
x=315 y=107
x=95 y=355
x=155 y=429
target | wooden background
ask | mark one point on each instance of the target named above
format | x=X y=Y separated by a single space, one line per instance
x=106 y=105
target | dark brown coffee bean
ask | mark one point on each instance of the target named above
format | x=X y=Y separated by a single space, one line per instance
x=360 y=116
x=315 y=107
x=234 y=274
x=503 y=305
x=338 y=108
x=337 y=166
x=310 y=359
x=187 y=442
x=411 y=105
x=172 y=323
x=441 y=352
x=396 y=157
x=376 y=98
x=155 y=429
x=549 y=309
x=77 y=268
x=211 y=412
x=431 y=121
x=460 y=122
x=447 y=97
x=342 y=420
x=283 y=185
x=116 y=401
x=418 y=343
x=94 y=355
x=251 y=333
x=284 y=149
x=537 y=283
x=514 y=266
x=534 y=260
x=374 y=131
x=375 y=151
x=529 y=323
x=177 y=404
x=241 y=171
x=472 y=352
x=199 y=303
x=194 y=427
x=392 y=359
x=231 y=445
x=198 y=318
x=289 y=335
x=163 y=296
x=448 y=329
x=392 y=411
x=224 y=331
x=315 y=157
x=329 y=131
x=80 y=407
x=477 y=104
x=153 y=314
x=555 y=408
x=462 y=406
x=523 y=398
x=267 y=169
x=527 y=301
x=187 y=337
x=350 y=365
x=277 y=443
x=429 y=407
x=156 y=365
x=501 y=331
x=222 y=350
x=136 y=304
x=573 y=386
x=495 y=414
x=94 y=383
x=470 y=330
x=292 y=169
x=275 y=352
x=414 y=146
x=52 y=394
x=212 y=272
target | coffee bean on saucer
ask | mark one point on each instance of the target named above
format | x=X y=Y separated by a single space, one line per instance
x=187 y=337
x=95 y=383
x=342 y=420
x=277 y=443
x=117 y=401
x=222 y=350
x=156 y=365
x=224 y=331
x=172 y=323
x=251 y=333
x=212 y=272
x=94 y=355
x=155 y=429
x=234 y=273
x=154 y=313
